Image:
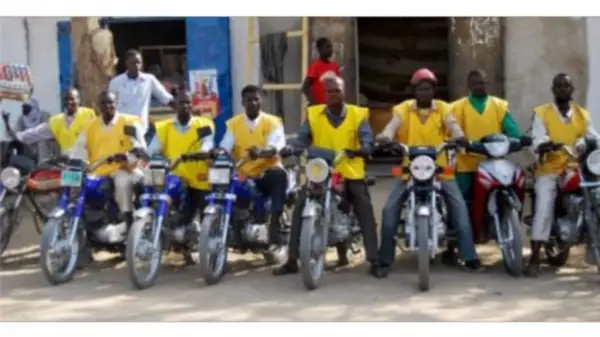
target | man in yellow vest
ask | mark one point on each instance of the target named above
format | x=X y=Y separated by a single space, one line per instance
x=561 y=122
x=178 y=136
x=479 y=115
x=255 y=133
x=339 y=126
x=106 y=136
x=425 y=121
x=64 y=127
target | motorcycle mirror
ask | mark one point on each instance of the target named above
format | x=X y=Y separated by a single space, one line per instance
x=129 y=130
x=203 y=131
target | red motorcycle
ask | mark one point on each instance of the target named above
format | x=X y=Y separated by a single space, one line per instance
x=498 y=195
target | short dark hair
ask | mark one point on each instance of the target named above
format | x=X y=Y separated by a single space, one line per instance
x=250 y=89
x=132 y=52
x=476 y=72
x=321 y=42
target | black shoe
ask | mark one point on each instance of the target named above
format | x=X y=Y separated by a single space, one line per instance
x=342 y=261
x=290 y=267
x=473 y=265
x=378 y=271
x=449 y=258
x=532 y=270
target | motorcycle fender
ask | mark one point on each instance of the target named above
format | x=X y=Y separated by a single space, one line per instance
x=212 y=209
x=56 y=213
x=423 y=210
x=513 y=200
x=143 y=212
x=492 y=205
x=310 y=209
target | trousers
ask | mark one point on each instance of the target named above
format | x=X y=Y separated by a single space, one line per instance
x=458 y=217
x=123 y=184
x=545 y=196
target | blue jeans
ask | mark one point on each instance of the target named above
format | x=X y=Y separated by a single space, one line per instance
x=458 y=217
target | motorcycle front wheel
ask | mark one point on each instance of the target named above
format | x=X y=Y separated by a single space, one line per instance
x=212 y=252
x=7 y=226
x=593 y=239
x=55 y=246
x=424 y=255
x=512 y=251
x=312 y=250
x=140 y=246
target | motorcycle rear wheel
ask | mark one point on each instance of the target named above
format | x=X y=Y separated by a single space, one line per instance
x=7 y=227
x=212 y=260
x=312 y=259
x=53 y=230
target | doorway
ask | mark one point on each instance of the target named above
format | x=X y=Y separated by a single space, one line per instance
x=389 y=51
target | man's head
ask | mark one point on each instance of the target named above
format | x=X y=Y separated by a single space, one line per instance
x=477 y=83
x=106 y=103
x=325 y=48
x=26 y=108
x=334 y=91
x=423 y=82
x=133 y=62
x=562 y=88
x=71 y=100
x=183 y=105
x=251 y=100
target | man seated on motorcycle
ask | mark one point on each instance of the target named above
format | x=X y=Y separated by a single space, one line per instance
x=479 y=115
x=106 y=136
x=562 y=122
x=339 y=126
x=260 y=136
x=425 y=121
x=64 y=127
x=177 y=136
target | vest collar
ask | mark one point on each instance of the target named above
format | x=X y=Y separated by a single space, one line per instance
x=112 y=122
x=341 y=115
x=569 y=114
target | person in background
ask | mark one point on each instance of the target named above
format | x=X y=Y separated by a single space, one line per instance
x=250 y=133
x=318 y=70
x=31 y=117
x=425 y=121
x=562 y=122
x=64 y=127
x=134 y=89
x=339 y=126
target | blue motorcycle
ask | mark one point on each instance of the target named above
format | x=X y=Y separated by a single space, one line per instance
x=92 y=218
x=159 y=222
x=225 y=226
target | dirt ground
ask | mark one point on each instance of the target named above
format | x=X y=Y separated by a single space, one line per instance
x=250 y=293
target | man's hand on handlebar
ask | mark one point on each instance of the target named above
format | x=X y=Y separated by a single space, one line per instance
x=362 y=152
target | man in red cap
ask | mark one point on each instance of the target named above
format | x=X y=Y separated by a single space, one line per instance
x=425 y=121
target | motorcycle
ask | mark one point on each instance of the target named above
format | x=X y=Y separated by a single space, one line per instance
x=424 y=228
x=21 y=179
x=327 y=218
x=226 y=226
x=93 y=219
x=498 y=196
x=577 y=206
x=156 y=227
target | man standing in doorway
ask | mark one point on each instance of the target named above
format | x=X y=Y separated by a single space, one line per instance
x=318 y=70
x=135 y=88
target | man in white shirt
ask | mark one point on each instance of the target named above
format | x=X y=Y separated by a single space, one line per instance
x=260 y=136
x=134 y=89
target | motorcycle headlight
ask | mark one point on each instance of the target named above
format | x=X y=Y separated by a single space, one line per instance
x=498 y=148
x=154 y=177
x=219 y=176
x=10 y=177
x=422 y=168
x=317 y=170
x=593 y=162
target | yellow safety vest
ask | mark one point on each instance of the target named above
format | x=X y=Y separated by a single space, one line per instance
x=476 y=126
x=67 y=135
x=246 y=138
x=345 y=136
x=174 y=143
x=560 y=132
x=432 y=132
x=104 y=141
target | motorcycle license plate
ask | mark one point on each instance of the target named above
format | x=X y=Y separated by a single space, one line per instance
x=71 y=178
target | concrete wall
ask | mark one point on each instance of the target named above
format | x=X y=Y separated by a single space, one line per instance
x=536 y=49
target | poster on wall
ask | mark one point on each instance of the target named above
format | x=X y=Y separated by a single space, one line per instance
x=15 y=81
x=205 y=92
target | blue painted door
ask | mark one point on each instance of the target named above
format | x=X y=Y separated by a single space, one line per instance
x=207 y=47
x=65 y=61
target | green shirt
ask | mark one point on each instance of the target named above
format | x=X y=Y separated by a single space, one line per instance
x=509 y=126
